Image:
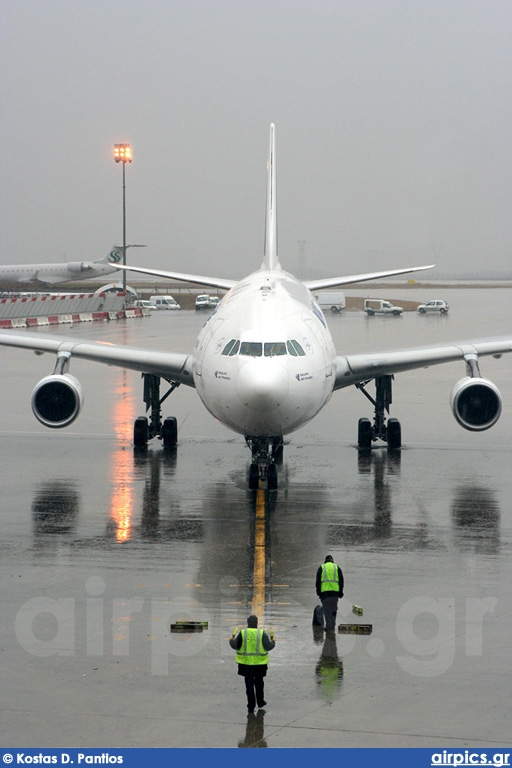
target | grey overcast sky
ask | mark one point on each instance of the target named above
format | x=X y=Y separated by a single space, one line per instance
x=393 y=117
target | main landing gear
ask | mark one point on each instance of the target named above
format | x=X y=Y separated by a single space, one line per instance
x=267 y=453
x=390 y=433
x=145 y=429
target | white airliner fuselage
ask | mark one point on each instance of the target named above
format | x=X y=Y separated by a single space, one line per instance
x=265 y=361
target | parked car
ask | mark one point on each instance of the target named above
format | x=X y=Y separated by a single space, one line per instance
x=164 y=302
x=436 y=305
x=142 y=304
x=380 y=307
x=214 y=300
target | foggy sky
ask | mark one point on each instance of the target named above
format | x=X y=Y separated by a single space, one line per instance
x=393 y=119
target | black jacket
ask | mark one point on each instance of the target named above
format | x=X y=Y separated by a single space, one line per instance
x=251 y=670
x=329 y=592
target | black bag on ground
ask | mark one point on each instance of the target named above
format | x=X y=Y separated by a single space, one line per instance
x=318 y=616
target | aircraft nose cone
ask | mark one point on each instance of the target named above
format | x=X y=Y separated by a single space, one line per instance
x=262 y=385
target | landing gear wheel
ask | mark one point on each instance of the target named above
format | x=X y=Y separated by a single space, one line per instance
x=170 y=432
x=364 y=434
x=394 y=435
x=140 y=432
x=272 y=476
x=254 y=476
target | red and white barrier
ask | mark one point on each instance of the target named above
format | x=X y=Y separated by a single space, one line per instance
x=31 y=311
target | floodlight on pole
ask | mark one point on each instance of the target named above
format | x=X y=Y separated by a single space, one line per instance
x=123 y=154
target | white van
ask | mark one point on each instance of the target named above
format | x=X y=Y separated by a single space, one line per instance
x=202 y=301
x=381 y=307
x=164 y=302
x=335 y=301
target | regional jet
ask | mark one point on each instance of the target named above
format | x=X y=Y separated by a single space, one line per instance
x=265 y=364
x=54 y=274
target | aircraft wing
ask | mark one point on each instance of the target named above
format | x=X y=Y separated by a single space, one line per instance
x=333 y=282
x=214 y=282
x=175 y=366
x=352 y=369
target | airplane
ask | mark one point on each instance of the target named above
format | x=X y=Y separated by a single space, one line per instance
x=264 y=363
x=54 y=274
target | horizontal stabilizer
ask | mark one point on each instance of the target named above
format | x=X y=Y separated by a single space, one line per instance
x=333 y=282
x=214 y=282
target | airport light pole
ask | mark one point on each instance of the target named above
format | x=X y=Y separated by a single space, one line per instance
x=123 y=154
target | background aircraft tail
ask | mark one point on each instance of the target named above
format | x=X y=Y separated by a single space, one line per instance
x=271 y=259
x=115 y=254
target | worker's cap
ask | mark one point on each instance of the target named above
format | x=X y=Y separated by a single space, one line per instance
x=329 y=559
x=252 y=621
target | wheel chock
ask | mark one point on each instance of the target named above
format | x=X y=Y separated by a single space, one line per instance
x=357 y=610
x=355 y=629
x=185 y=626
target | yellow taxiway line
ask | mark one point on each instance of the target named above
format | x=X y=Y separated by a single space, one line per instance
x=258 y=592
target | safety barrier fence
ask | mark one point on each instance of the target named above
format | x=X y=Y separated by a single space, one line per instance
x=53 y=309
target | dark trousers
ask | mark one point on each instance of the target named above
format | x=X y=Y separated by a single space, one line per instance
x=254 y=689
x=330 y=606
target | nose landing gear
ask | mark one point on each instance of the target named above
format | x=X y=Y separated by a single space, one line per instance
x=267 y=453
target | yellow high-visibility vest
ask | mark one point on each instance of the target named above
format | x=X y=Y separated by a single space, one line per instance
x=252 y=650
x=330 y=578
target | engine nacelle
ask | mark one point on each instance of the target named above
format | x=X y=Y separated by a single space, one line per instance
x=78 y=266
x=476 y=403
x=57 y=400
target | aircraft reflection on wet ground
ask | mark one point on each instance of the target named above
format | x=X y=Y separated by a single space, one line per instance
x=157 y=513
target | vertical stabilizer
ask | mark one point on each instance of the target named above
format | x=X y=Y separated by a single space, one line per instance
x=271 y=259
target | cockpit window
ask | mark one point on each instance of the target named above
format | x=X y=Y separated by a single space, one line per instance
x=229 y=346
x=269 y=349
x=295 y=349
x=273 y=348
x=251 y=348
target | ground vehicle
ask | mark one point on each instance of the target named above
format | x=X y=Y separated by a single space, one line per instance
x=436 y=305
x=335 y=301
x=141 y=304
x=164 y=302
x=381 y=307
x=214 y=300
x=203 y=301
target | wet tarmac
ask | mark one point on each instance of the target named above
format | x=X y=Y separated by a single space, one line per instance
x=103 y=547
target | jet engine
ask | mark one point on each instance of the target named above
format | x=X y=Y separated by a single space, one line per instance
x=78 y=266
x=476 y=403
x=57 y=400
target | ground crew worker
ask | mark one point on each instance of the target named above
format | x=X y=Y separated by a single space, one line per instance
x=329 y=588
x=252 y=646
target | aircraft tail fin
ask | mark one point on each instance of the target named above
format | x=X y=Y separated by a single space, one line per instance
x=271 y=258
x=115 y=254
